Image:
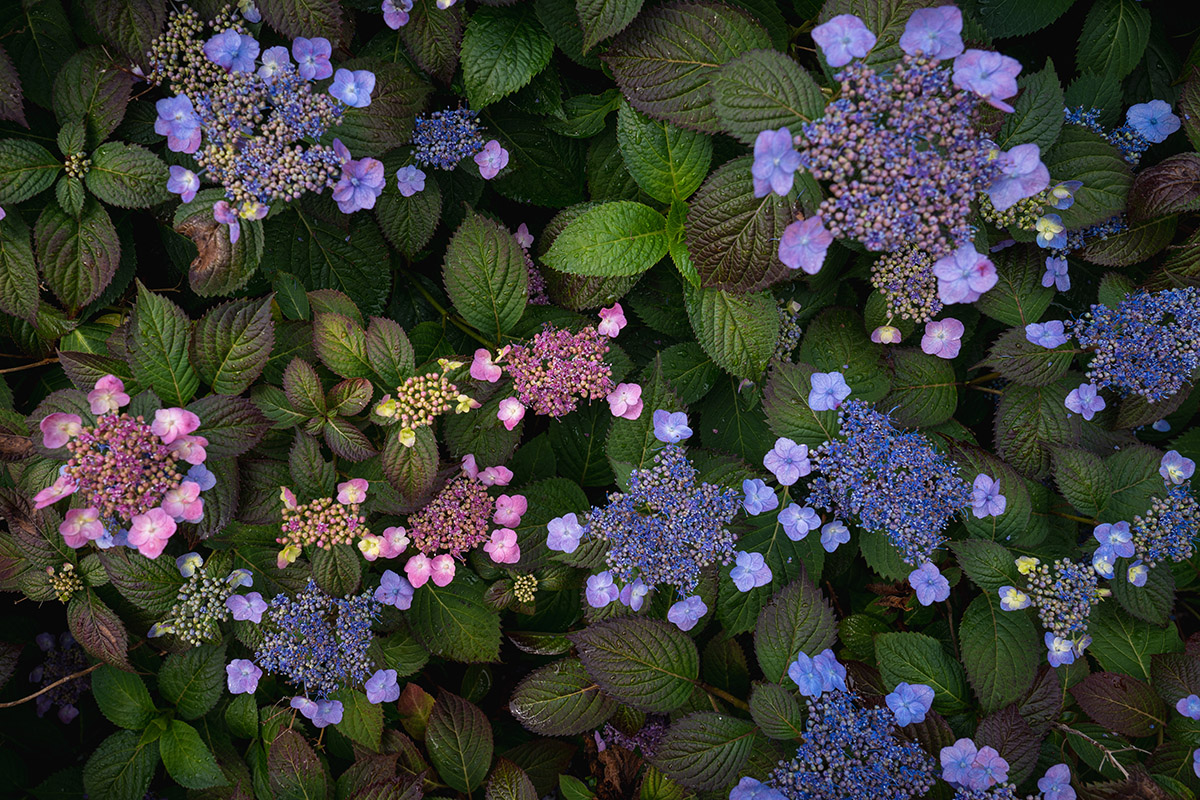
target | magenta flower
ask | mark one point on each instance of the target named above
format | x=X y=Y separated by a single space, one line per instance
x=843 y=39
x=564 y=533
x=986 y=500
x=149 y=532
x=496 y=476
x=224 y=214
x=788 y=461
x=274 y=61
x=510 y=509
x=601 y=590
x=62 y=487
x=804 y=244
x=361 y=184
x=964 y=275
x=482 y=368
x=353 y=87
x=248 y=607
x=833 y=535
x=625 y=401
x=183 y=503
x=943 y=338
x=312 y=59
x=910 y=702
x=510 y=412
x=491 y=159
x=59 y=428
x=352 y=491
x=828 y=391
x=1056 y=274
x=418 y=570
x=190 y=449
x=441 y=569
x=775 y=163
x=410 y=180
x=687 y=612
x=80 y=526
x=1085 y=400
x=671 y=427
x=382 y=687
x=395 y=13
x=1022 y=175
x=935 y=33
x=393 y=541
x=612 y=320
x=233 y=51
x=525 y=239
x=243 y=676
x=503 y=547
x=1153 y=121
x=394 y=590
x=750 y=571
x=797 y=522
x=1046 y=334
x=1176 y=469
x=929 y=584
x=989 y=75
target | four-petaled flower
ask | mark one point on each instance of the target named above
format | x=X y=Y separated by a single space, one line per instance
x=246 y=607
x=989 y=75
x=353 y=87
x=625 y=401
x=612 y=320
x=1056 y=274
x=886 y=334
x=395 y=13
x=788 y=461
x=986 y=500
x=171 y=423
x=312 y=58
x=834 y=534
x=751 y=570
x=243 y=676
x=232 y=51
x=957 y=761
x=909 y=702
x=943 y=337
x=483 y=369
x=274 y=61
x=183 y=182
x=843 y=39
x=352 y=491
x=491 y=159
x=1022 y=175
x=1059 y=651
x=601 y=590
x=510 y=509
x=394 y=590
x=775 y=162
x=929 y=583
x=510 y=412
x=935 y=33
x=1176 y=469
x=503 y=547
x=410 y=180
x=1050 y=231
x=178 y=121
x=797 y=522
x=828 y=391
x=1013 y=599
x=1153 y=121
x=360 y=185
x=382 y=686
x=804 y=244
x=564 y=533
x=964 y=275
x=758 y=497
x=59 y=428
x=671 y=426
x=1189 y=706
x=750 y=789
x=1085 y=400
x=1050 y=334
x=687 y=612
x=1137 y=574
x=80 y=526
x=634 y=594
x=149 y=532
x=1056 y=783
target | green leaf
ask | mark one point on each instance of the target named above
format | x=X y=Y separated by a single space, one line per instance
x=122 y=697
x=127 y=176
x=26 y=169
x=459 y=741
x=648 y=664
x=398 y=97
x=232 y=425
x=1168 y=187
x=1101 y=92
x=232 y=343
x=509 y=782
x=585 y=114
x=837 y=341
x=341 y=344
x=193 y=680
x=924 y=391
x=1140 y=240
x=1021 y=361
x=1018 y=298
x=409 y=222
x=667 y=162
x=665 y=61
x=1083 y=479
x=798 y=620
x=917 y=658
x=1037 y=114
x=1121 y=703
x=689 y=371
x=411 y=470
x=631 y=443
x=220 y=267
x=1082 y=155
x=885 y=18
x=1123 y=644
x=337 y=570
x=1001 y=651
x=121 y=767
x=776 y=711
x=303 y=388
x=572 y=788
x=485 y=275
x=187 y=758
x=40 y=53
x=78 y=255
x=601 y=19
x=433 y=36
x=612 y=239
x=1005 y=18
x=560 y=699
x=159 y=332
x=19 y=293
x=705 y=751
x=453 y=622
x=1114 y=37
x=1135 y=481
x=293 y=770
x=129 y=25
x=389 y=352
x=1152 y=602
x=150 y=584
x=241 y=715
x=544 y=168
x=92 y=87
x=765 y=90
x=737 y=331
x=988 y=564
x=732 y=236
x=362 y=720
x=309 y=18
x=1029 y=421
x=502 y=49
x=11 y=98
x=785 y=401
x=98 y=629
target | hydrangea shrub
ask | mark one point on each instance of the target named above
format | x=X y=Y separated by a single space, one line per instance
x=708 y=399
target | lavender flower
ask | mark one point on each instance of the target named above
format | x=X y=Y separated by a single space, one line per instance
x=491 y=159
x=1056 y=274
x=243 y=676
x=828 y=391
x=788 y=461
x=395 y=13
x=1085 y=400
x=750 y=789
x=1046 y=334
x=804 y=244
x=275 y=62
x=601 y=590
x=909 y=702
x=233 y=51
x=361 y=184
x=843 y=39
x=312 y=60
x=929 y=584
x=798 y=522
x=943 y=338
x=934 y=33
x=964 y=275
x=248 y=607
x=775 y=163
x=1022 y=175
x=671 y=427
x=834 y=534
x=758 y=497
x=751 y=571
x=183 y=182
x=1175 y=469
x=1056 y=783
x=986 y=500
x=687 y=612
x=394 y=590
x=564 y=533
x=989 y=75
x=382 y=687
x=1050 y=231
x=410 y=180
x=1013 y=599
x=353 y=87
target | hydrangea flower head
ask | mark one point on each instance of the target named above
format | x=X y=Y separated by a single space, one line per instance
x=843 y=39
x=775 y=163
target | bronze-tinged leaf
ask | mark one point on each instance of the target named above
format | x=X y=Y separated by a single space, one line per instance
x=12 y=107
x=1121 y=703
x=1170 y=187
x=615 y=770
x=1014 y=738
x=98 y=629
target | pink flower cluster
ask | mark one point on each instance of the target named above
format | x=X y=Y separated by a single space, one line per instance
x=327 y=521
x=125 y=472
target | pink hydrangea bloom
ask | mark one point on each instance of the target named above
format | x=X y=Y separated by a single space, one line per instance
x=441 y=569
x=943 y=338
x=352 y=491
x=482 y=368
x=886 y=334
x=418 y=570
x=59 y=428
x=171 y=423
x=523 y=236
x=510 y=412
x=395 y=540
x=62 y=487
x=108 y=395
x=496 y=476
x=510 y=509
x=612 y=320
x=80 y=526
x=625 y=401
x=503 y=547
x=190 y=449
x=149 y=532
x=183 y=503
x=371 y=546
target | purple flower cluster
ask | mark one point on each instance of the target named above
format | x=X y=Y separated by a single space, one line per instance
x=558 y=368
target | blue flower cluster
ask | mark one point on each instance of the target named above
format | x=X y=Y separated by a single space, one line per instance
x=1145 y=124
x=318 y=642
x=892 y=482
x=446 y=137
x=1168 y=529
